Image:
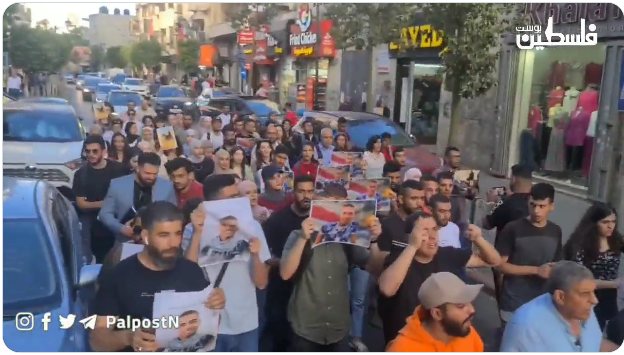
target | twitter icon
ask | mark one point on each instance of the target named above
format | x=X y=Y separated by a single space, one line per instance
x=67 y=323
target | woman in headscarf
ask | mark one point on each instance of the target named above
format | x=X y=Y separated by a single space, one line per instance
x=132 y=134
x=222 y=160
x=208 y=149
x=147 y=135
x=205 y=126
x=412 y=174
x=202 y=167
x=250 y=189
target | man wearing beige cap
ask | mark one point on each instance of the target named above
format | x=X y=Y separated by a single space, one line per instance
x=442 y=322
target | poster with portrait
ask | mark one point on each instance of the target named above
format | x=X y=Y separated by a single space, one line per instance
x=373 y=189
x=465 y=179
x=345 y=222
x=289 y=181
x=247 y=144
x=166 y=138
x=197 y=326
x=226 y=232
x=332 y=174
x=128 y=249
x=353 y=159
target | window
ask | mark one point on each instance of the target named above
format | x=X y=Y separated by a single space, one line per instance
x=133 y=81
x=170 y=5
x=558 y=91
x=41 y=126
x=29 y=268
x=122 y=98
x=171 y=92
x=263 y=108
x=361 y=130
x=106 y=88
x=426 y=102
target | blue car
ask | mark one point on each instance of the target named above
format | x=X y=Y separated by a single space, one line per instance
x=102 y=90
x=45 y=270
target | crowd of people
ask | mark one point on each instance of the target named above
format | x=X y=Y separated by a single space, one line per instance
x=291 y=297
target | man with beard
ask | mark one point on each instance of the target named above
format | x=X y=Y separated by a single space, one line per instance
x=229 y=140
x=278 y=334
x=430 y=186
x=308 y=135
x=447 y=188
x=318 y=309
x=188 y=339
x=408 y=266
x=399 y=156
x=225 y=115
x=273 y=198
x=127 y=290
x=120 y=205
x=95 y=130
x=442 y=322
x=215 y=135
x=186 y=188
x=238 y=331
x=90 y=185
x=392 y=171
x=447 y=230
x=411 y=198
x=187 y=121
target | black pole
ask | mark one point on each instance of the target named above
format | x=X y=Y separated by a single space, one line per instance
x=317 y=52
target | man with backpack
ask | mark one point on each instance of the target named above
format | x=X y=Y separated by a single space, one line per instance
x=318 y=309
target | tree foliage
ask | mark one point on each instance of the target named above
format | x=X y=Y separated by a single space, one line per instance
x=8 y=20
x=146 y=53
x=189 y=54
x=367 y=25
x=115 y=57
x=250 y=15
x=37 y=49
x=472 y=35
x=97 y=57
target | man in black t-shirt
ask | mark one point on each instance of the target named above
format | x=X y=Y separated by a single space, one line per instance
x=89 y=186
x=410 y=199
x=128 y=289
x=406 y=268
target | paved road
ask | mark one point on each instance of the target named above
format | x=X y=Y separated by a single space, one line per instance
x=83 y=109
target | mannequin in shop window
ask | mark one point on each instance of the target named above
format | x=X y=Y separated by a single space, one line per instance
x=588 y=146
x=530 y=138
x=575 y=138
x=571 y=99
x=556 y=156
x=588 y=99
x=556 y=97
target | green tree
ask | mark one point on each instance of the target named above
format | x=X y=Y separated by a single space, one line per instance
x=115 y=57
x=189 y=55
x=364 y=26
x=145 y=52
x=97 y=57
x=77 y=36
x=37 y=49
x=472 y=35
x=8 y=20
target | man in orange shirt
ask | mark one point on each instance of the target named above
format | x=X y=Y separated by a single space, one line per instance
x=442 y=322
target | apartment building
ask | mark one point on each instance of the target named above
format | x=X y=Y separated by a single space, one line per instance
x=110 y=30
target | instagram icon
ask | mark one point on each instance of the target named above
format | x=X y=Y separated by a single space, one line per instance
x=24 y=321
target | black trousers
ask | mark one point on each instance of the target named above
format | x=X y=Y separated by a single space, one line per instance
x=302 y=345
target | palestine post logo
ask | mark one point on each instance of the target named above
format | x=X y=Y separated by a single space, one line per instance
x=305 y=18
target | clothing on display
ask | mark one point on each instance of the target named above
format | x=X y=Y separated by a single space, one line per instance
x=554 y=113
x=588 y=100
x=558 y=72
x=571 y=99
x=529 y=150
x=535 y=119
x=556 y=156
x=588 y=145
x=577 y=128
x=593 y=74
x=556 y=97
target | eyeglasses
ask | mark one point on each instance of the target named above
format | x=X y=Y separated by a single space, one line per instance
x=92 y=151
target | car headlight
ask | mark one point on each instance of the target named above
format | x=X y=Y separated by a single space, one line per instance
x=85 y=90
x=74 y=164
x=188 y=103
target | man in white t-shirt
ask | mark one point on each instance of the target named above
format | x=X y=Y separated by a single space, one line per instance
x=448 y=231
x=225 y=116
x=238 y=330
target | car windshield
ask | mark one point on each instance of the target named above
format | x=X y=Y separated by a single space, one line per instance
x=361 y=130
x=121 y=99
x=106 y=88
x=171 y=92
x=91 y=81
x=41 y=126
x=29 y=268
x=81 y=77
x=119 y=78
x=132 y=82
x=264 y=107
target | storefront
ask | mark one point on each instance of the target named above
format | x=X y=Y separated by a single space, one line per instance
x=418 y=79
x=311 y=48
x=262 y=52
x=559 y=105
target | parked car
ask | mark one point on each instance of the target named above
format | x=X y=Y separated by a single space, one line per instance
x=363 y=125
x=42 y=141
x=46 y=100
x=70 y=79
x=45 y=264
x=120 y=98
x=119 y=78
x=136 y=85
x=80 y=81
x=102 y=90
x=173 y=98
x=6 y=98
x=261 y=108
x=90 y=85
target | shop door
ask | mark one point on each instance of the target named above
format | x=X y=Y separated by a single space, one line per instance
x=355 y=67
x=507 y=78
x=605 y=181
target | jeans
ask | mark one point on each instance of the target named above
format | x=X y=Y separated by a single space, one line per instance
x=358 y=282
x=245 y=342
x=261 y=296
x=16 y=93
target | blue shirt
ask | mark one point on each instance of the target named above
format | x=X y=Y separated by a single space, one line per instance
x=327 y=154
x=537 y=326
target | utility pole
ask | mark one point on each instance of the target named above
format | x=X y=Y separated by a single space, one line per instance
x=317 y=53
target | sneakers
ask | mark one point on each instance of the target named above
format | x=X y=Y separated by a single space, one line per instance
x=357 y=345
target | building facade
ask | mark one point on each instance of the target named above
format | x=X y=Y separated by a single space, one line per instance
x=559 y=106
x=110 y=30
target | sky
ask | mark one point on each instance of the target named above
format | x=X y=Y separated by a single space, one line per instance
x=57 y=12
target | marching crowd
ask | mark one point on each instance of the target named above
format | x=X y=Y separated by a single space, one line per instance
x=289 y=297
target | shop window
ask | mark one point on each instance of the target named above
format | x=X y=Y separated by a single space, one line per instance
x=559 y=90
x=426 y=102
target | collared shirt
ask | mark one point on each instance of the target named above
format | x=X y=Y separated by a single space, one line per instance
x=318 y=309
x=537 y=326
x=326 y=154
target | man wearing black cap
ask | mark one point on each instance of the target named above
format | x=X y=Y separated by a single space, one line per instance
x=273 y=198
x=216 y=135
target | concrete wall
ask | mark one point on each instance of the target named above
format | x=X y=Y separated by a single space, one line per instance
x=110 y=30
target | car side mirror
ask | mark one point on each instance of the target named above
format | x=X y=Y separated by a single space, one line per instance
x=88 y=275
x=81 y=118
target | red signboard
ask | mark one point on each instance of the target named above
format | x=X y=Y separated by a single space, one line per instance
x=306 y=43
x=246 y=37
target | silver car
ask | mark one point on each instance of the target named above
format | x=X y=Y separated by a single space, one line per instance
x=102 y=90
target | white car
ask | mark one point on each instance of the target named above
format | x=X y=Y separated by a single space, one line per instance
x=136 y=85
x=120 y=98
x=42 y=141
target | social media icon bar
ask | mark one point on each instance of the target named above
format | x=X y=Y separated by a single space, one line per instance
x=89 y=322
x=46 y=320
x=67 y=323
x=24 y=321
